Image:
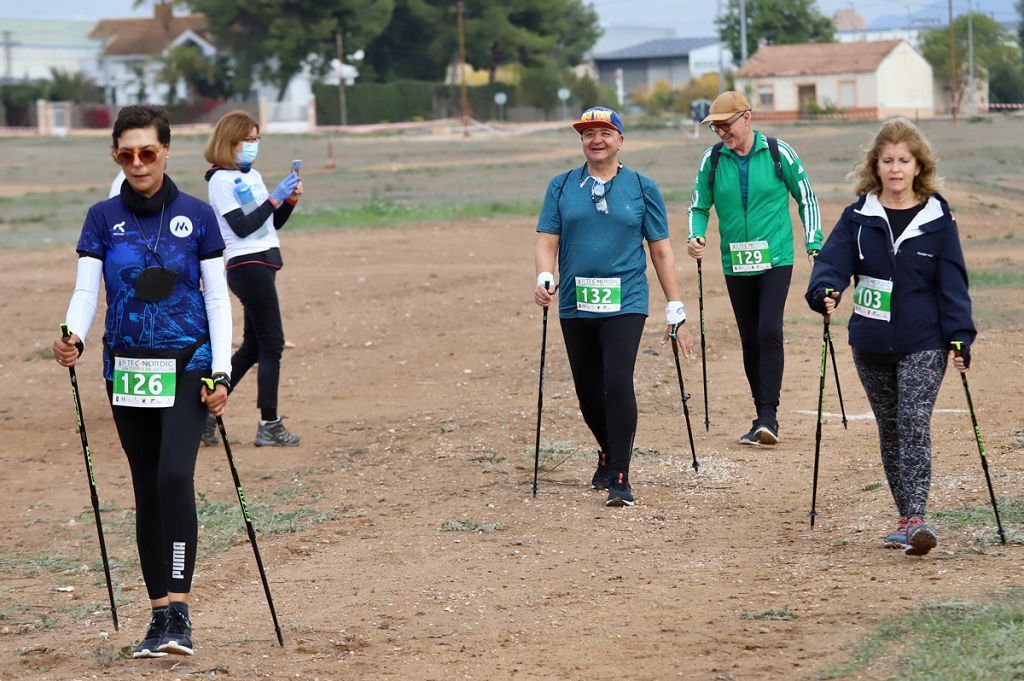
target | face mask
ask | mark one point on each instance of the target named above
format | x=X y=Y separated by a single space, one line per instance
x=247 y=155
x=155 y=283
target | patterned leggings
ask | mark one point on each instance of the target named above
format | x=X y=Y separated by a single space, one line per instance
x=902 y=397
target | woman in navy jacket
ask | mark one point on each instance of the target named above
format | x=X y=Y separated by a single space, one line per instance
x=900 y=244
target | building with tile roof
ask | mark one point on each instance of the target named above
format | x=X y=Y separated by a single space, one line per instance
x=861 y=79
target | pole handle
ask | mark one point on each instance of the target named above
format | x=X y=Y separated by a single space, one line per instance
x=65 y=332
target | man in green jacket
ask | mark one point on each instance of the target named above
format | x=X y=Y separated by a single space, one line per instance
x=749 y=178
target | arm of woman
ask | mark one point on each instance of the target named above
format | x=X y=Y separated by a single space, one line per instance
x=81 y=310
x=218 y=313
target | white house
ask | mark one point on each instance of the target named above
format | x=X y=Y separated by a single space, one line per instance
x=861 y=79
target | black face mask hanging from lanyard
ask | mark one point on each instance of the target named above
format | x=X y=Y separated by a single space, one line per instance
x=155 y=282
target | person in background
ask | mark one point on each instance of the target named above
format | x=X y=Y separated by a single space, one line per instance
x=899 y=243
x=159 y=252
x=594 y=222
x=749 y=178
x=253 y=252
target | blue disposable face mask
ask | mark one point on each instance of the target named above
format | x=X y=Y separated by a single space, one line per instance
x=247 y=155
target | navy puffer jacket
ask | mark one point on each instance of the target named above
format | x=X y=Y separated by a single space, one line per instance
x=930 y=305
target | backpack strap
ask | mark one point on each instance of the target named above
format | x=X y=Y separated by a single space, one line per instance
x=773 y=148
x=716 y=151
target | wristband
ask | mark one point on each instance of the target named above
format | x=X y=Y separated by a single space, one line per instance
x=675 y=313
x=545 y=278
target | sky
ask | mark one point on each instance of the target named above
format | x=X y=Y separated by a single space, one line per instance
x=689 y=18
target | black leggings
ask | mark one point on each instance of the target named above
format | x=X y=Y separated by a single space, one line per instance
x=161 y=445
x=263 y=333
x=758 y=303
x=602 y=355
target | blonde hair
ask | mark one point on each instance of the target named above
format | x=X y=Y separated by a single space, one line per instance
x=894 y=131
x=231 y=129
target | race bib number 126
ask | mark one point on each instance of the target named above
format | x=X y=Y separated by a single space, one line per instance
x=140 y=382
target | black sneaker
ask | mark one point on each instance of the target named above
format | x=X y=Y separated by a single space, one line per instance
x=750 y=438
x=274 y=434
x=767 y=433
x=210 y=438
x=619 y=492
x=177 y=636
x=154 y=635
x=602 y=476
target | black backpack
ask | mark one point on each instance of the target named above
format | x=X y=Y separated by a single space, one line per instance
x=716 y=151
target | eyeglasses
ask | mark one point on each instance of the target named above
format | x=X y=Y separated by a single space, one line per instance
x=126 y=157
x=727 y=125
x=598 y=193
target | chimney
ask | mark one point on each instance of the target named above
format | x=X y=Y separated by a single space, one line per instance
x=162 y=12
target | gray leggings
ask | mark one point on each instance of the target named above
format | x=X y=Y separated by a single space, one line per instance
x=902 y=397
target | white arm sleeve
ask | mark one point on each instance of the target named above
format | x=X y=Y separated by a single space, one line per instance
x=218 y=312
x=82 y=308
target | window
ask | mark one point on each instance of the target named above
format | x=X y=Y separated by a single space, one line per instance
x=766 y=98
x=847 y=94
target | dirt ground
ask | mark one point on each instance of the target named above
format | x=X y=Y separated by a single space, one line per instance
x=413 y=383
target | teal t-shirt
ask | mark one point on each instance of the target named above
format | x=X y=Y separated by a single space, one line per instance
x=744 y=163
x=602 y=264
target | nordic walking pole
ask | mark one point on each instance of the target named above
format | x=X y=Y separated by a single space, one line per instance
x=957 y=349
x=66 y=333
x=540 y=390
x=682 y=394
x=703 y=352
x=248 y=519
x=839 y=388
x=821 y=400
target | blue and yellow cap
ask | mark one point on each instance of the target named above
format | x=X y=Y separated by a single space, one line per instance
x=598 y=117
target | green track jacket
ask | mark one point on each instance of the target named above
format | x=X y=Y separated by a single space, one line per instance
x=766 y=217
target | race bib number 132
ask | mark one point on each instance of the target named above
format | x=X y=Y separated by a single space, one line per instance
x=598 y=295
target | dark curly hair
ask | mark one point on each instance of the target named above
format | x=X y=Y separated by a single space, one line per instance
x=142 y=116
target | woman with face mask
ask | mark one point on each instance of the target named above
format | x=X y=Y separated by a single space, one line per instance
x=253 y=253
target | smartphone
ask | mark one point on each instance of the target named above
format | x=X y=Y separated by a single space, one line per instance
x=296 y=166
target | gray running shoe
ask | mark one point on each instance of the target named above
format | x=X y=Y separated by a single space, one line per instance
x=274 y=434
x=210 y=438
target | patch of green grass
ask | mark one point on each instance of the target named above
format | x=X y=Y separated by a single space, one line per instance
x=951 y=640
x=469 y=525
x=783 y=614
x=107 y=656
x=1002 y=278
x=871 y=487
x=1018 y=439
x=378 y=212
x=34 y=565
x=222 y=522
x=1011 y=512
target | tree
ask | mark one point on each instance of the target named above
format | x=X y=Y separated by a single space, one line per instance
x=274 y=39
x=203 y=77
x=427 y=24
x=993 y=48
x=775 y=22
x=1020 y=24
x=527 y=32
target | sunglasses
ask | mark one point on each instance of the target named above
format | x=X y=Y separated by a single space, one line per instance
x=727 y=125
x=126 y=157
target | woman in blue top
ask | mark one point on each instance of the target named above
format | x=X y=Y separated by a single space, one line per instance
x=595 y=220
x=911 y=306
x=168 y=325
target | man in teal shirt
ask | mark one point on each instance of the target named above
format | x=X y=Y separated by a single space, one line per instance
x=749 y=178
x=594 y=221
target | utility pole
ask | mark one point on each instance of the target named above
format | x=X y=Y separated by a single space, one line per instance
x=8 y=57
x=721 y=65
x=952 y=65
x=743 y=31
x=462 y=71
x=972 y=108
x=341 y=77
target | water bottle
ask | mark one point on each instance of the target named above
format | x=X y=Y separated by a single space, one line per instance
x=243 y=193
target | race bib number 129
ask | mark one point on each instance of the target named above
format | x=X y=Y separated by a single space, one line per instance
x=750 y=256
x=140 y=382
